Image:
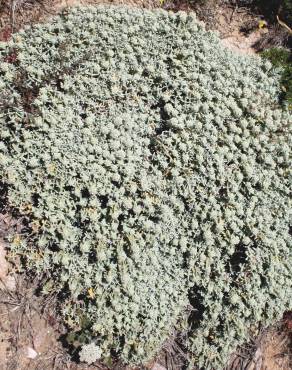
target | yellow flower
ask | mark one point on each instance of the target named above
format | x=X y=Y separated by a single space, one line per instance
x=26 y=208
x=51 y=168
x=90 y=293
x=35 y=225
x=18 y=39
x=16 y=240
x=262 y=24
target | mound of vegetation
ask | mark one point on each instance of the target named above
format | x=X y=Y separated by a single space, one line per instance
x=153 y=167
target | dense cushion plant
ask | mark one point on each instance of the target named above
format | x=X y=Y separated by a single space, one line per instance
x=153 y=167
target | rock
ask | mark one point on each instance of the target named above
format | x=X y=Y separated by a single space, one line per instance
x=31 y=353
x=7 y=280
x=3 y=261
x=157 y=366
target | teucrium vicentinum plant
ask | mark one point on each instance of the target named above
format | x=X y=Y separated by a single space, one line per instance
x=153 y=165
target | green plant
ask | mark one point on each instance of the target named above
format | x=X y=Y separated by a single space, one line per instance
x=153 y=167
x=282 y=59
x=286 y=11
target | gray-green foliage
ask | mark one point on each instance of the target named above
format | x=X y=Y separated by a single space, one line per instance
x=153 y=165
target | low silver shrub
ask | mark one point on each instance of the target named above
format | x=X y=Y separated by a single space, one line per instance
x=153 y=166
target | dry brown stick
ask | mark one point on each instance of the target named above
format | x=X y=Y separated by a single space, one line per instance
x=234 y=10
x=284 y=25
